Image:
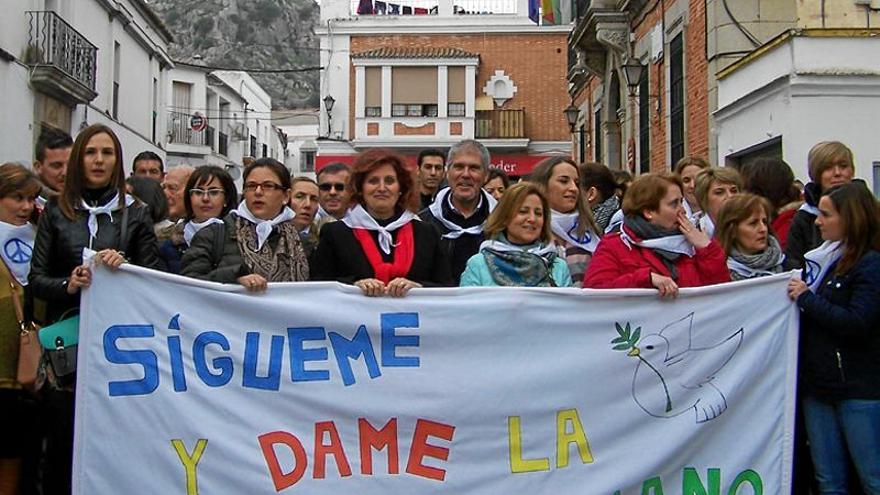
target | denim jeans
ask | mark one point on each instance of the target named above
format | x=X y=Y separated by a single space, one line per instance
x=837 y=426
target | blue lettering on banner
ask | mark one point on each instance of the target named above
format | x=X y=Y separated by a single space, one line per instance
x=359 y=345
x=146 y=359
x=221 y=368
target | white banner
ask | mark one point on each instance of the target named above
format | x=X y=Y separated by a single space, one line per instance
x=192 y=387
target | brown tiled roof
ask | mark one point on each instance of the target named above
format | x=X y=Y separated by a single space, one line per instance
x=415 y=53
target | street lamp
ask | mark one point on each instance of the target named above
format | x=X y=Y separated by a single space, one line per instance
x=571 y=115
x=632 y=73
x=329 y=101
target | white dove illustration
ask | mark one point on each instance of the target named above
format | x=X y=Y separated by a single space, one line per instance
x=673 y=377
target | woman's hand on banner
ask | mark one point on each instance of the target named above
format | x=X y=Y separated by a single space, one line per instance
x=400 y=286
x=254 y=282
x=796 y=287
x=80 y=277
x=371 y=287
x=110 y=257
x=666 y=286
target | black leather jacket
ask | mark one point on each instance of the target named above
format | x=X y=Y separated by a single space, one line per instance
x=60 y=241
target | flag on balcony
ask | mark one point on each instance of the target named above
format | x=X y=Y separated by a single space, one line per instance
x=420 y=11
x=407 y=10
x=565 y=9
x=534 y=10
x=380 y=8
x=548 y=8
x=393 y=9
x=365 y=7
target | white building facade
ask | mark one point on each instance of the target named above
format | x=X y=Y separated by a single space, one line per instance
x=68 y=64
x=807 y=86
x=301 y=129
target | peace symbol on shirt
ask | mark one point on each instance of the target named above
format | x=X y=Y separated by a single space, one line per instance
x=17 y=251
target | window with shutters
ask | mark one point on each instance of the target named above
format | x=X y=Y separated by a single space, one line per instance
x=676 y=99
x=414 y=91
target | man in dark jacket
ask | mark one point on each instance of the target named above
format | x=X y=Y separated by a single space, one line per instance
x=460 y=210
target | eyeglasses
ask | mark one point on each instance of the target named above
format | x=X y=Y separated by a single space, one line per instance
x=332 y=185
x=267 y=186
x=213 y=193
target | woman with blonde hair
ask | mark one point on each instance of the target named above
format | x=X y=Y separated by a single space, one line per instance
x=839 y=300
x=519 y=250
x=714 y=186
x=744 y=232
x=571 y=220
x=829 y=163
x=687 y=169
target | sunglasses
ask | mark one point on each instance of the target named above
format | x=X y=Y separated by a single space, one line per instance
x=332 y=185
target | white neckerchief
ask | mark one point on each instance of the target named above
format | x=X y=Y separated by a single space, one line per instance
x=818 y=261
x=616 y=221
x=358 y=218
x=565 y=226
x=455 y=230
x=264 y=227
x=106 y=209
x=672 y=243
x=812 y=210
x=321 y=213
x=705 y=224
x=192 y=228
x=506 y=247
x=16 y=248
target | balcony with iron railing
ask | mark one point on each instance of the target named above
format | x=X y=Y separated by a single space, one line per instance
x=180 y=132
x=209 y=138
x=500 y=124
x=431 y=7
x=63 y=61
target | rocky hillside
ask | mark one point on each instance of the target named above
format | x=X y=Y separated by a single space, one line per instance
x=261 y=34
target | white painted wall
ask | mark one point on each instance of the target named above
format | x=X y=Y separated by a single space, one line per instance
x=830 y=91
x=137 y=70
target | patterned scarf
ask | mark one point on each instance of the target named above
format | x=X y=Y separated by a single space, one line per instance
x=519 y=266
x=767 y=262
x=603 y=211
x=285 y=263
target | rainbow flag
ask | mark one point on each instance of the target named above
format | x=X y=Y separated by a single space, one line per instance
x=548 y=7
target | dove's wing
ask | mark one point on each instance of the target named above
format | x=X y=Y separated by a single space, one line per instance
x=678 y=335
x=698 y=366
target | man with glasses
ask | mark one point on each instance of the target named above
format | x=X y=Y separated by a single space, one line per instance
x=432 y=164
x=459 y=211
x=333 y=191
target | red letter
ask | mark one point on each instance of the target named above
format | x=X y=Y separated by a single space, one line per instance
x=420 y=449
x=372 y=439
x=267 y=445
x=334 y=447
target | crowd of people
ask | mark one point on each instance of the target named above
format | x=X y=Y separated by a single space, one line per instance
x=452 y=221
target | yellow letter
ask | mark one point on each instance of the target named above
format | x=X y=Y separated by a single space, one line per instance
x=190 y=462
x=517 y=463
x=564 y=438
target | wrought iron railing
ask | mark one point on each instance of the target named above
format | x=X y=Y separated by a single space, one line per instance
x=500 y=124
x=52 y=41
x=181 y=132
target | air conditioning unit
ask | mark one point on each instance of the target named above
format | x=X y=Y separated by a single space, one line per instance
x=238 y=131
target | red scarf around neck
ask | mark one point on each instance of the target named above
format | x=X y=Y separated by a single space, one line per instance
x=404 y=252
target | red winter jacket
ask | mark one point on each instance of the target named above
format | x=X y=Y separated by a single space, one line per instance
x=616 y=265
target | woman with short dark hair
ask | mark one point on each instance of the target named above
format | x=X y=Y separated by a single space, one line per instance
x=257 y=242
x=657 y=245
x=380 y=245
x=519 y=250
x=497 y=182
x=839 y=302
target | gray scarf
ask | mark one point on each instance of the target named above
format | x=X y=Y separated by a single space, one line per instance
x=646 y=230
x=767 y=262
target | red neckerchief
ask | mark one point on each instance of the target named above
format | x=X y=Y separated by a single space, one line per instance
x=404 y=252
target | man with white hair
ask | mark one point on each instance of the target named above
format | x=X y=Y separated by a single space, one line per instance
x=460 y=210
